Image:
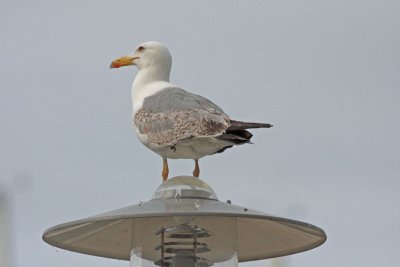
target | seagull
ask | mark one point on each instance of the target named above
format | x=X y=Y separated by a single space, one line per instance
x=173 y=122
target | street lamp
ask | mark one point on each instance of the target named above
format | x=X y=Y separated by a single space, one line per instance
x=185 y=224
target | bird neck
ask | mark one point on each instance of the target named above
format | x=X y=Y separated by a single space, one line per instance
x=150 y=75
x=154 y=76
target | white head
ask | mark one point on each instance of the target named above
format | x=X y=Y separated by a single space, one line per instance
x=148 y=55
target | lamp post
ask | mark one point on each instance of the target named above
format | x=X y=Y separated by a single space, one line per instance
x=5 y=258
x=185 y=224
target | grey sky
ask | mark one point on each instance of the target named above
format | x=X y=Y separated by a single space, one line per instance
x=325 y=73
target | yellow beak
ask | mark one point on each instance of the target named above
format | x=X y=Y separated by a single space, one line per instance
x=122 y=61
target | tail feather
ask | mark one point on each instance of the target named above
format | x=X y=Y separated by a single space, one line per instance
x=234 y=138
x=237 y=133
x=241 y=125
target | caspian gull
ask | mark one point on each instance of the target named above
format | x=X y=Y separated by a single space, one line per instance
x=175 y=123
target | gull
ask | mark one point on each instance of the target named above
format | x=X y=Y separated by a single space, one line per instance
x=173 y=122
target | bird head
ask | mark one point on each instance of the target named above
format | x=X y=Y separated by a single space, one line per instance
x=146 y=55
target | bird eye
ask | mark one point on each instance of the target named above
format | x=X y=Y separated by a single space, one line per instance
x=140 y=48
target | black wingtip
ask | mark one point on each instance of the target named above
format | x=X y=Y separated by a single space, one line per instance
x=237 y=125
x=262 y=125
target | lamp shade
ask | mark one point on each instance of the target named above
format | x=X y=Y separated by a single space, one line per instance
x=183 y=203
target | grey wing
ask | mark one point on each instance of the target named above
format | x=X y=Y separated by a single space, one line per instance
x=175 y=114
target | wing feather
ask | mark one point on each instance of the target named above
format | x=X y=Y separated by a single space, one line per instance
x=175 y=114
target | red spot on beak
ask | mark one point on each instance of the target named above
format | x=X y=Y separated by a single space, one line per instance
x=114 y=65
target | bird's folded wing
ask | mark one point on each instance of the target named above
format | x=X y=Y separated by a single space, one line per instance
x=174 y=114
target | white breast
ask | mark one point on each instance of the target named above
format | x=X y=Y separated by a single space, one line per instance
x=194 y=148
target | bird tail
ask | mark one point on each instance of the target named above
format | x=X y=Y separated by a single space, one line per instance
x=237 y=133
x=242 y=125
